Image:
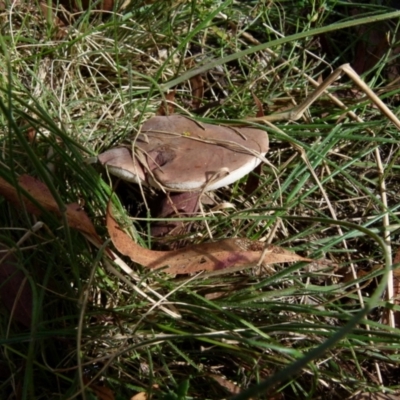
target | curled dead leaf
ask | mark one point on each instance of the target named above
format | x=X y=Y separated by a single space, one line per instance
x=222 y=256
x=102 y=392
x=76 y=5
x=229 y=386
x=76 y=216
x=167 y=106
x=197 y=85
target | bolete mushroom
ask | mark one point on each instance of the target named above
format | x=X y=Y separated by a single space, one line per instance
x=175 y=153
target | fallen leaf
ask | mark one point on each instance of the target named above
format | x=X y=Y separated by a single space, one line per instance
x=144 y=395
x=102 y=392
x=77 y=5
x=197 y=84
x=373 y=44
x=15 y=292
x=348 y=277
x=259 y=105
x=61 y=31
x=222 y=256
x=77 y=218
x=167 y=106
x=229 y=386
x=396 y=288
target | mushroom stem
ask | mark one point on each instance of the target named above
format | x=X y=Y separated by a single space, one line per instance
x=174 y=205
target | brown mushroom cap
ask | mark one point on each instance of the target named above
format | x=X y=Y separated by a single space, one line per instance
x=184 y=155
x=120 y=163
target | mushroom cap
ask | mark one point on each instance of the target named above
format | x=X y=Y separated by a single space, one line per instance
x=119 y=162
x=184 y=155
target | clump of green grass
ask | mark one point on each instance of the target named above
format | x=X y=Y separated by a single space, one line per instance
x=297 y=331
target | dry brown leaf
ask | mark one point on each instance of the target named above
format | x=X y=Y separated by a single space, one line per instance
x=372 y=47
x=15 y=292
x=102 y=392
x=61 y=32
x=197 y=84
x=225 y=255
x=167 y=107
x=233 y=389
x=77 y=218
x=259 y=105
x=396 y=288
x=229 y=386
x=348 y=277
x=31 y=135
x=76 y=5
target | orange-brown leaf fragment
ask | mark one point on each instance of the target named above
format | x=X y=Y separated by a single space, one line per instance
x=77 y=218
x=225 y=255
x=197 y=85
x=102 y=392
x=167 y=107
x=229 y=386
x=259 y=105
x=396 y=287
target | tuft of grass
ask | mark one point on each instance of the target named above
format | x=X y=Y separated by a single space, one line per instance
x=71 y=90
